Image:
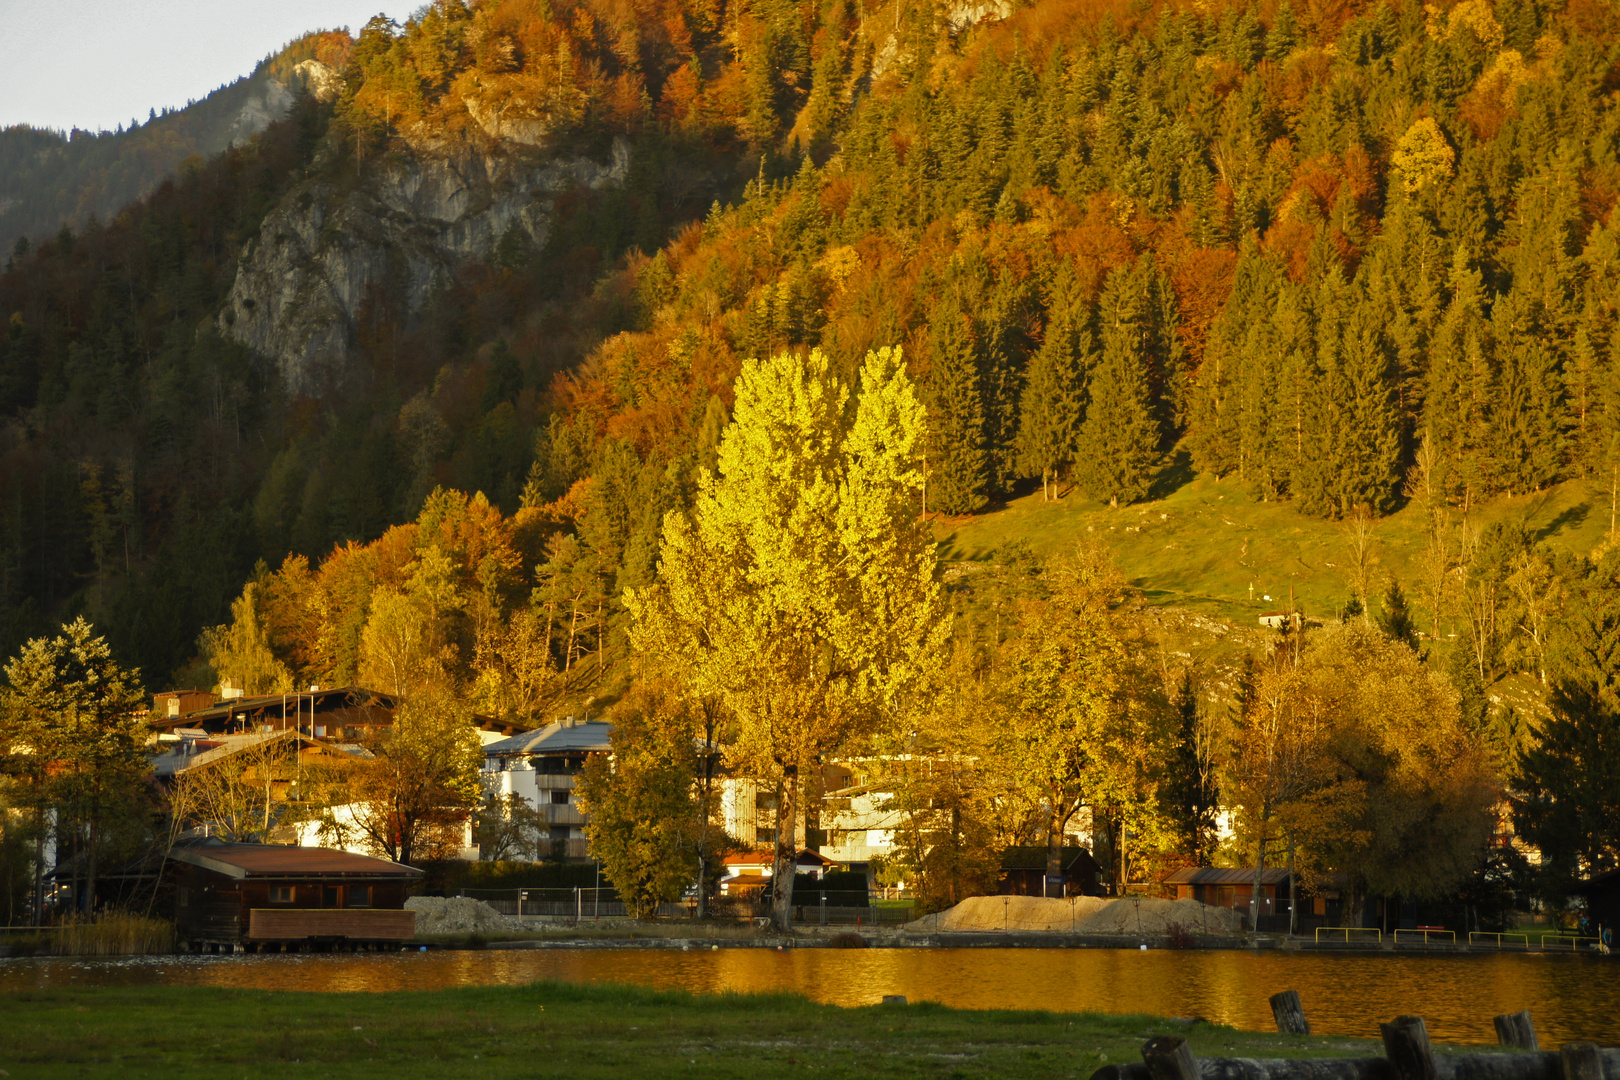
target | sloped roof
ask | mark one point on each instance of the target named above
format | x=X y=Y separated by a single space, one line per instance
x=1034 y=858
x=242 y=861
x=588 y=737
x=1211 y=875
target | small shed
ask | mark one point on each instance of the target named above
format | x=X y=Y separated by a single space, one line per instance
x=1023 y=873
x=1231 y=888
x=273 y=897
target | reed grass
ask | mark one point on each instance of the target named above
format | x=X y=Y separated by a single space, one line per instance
x=112 y=933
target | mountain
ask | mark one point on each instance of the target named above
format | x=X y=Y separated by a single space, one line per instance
x=49 y=179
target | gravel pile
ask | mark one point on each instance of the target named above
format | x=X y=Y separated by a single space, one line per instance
x=457 y=915
x=1081 y=915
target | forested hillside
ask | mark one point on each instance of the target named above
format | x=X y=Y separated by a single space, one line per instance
x=52 y=178
x=1346 y=255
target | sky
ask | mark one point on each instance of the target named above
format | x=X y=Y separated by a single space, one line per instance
x=95 y=64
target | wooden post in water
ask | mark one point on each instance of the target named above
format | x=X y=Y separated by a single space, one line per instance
x=1406 y=1044
x=1290 y=1013
x=1582 y=1061
x=1516 y=1030
x=1168 y=1057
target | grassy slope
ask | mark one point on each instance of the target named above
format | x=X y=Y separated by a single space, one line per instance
x=1207 y=542
x=551 y=1029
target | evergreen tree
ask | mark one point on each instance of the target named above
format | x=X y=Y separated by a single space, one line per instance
x=1397 y=621
x=958 y=468
x=1352 y=436
x=1054 y=397
x=1569 y=783
x=1119 y=441
x=1191 y=792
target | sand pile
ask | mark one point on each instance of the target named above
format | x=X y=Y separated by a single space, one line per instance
x=457 y=915
x=1082 y=915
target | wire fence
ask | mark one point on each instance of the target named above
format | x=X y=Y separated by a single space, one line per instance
x=587 y=903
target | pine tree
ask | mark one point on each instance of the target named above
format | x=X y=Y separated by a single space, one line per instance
x=1457 y=393
x=958 y=464
x=1053 y=404
x=1397 y=622
x=1119 y=441
x=1352 y=437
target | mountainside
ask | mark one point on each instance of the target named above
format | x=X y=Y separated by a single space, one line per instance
x=1352 y=259
x=48 y=179
x=324 y=250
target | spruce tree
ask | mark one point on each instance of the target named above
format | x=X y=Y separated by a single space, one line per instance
x=1458 y=387
x=958 y=464
x=1352 y=436
x=1397 y=622
x=1053 y=405
x=1119 y=441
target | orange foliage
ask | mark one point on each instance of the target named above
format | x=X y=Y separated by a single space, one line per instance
x=1202 y=279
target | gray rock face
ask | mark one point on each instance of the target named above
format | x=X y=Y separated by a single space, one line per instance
x=300 y=285
x=268 y=103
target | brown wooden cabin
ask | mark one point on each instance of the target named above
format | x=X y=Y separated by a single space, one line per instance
x=1023 y=873
x=1234 y=888
x=273 y=897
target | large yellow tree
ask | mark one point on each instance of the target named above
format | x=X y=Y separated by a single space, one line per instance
x=800 y=590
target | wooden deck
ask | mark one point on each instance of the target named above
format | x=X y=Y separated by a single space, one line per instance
x=355 y=924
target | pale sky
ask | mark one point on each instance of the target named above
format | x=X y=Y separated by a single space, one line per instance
x=96 y=64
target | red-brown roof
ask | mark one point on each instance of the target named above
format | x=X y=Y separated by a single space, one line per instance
x=280 y=860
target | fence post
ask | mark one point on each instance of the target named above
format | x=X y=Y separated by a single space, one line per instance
x=1406 y=1044
x=1516 y=1030
x=1582 y=1061
x=1290 y=1013
x=579 y=905
x=1168 y=1057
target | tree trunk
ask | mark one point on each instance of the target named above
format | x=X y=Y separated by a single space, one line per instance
x=1259 y=866
x=1054 y=849
x=787 y=853
x=90 y=858
x=1293 y=905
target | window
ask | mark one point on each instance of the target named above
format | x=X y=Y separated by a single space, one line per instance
x=282 y=894
x=358 y=896
x=333 y=896
x=559 y=796
x=764 y=836
x=765 y=802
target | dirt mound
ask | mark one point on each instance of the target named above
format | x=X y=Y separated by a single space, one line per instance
x=1081 y=915
x=456 y=915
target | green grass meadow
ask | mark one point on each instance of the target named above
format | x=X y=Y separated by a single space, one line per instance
x=568 y=1030
x=1208 y=547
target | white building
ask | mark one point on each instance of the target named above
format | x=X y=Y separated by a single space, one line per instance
x=540 y=767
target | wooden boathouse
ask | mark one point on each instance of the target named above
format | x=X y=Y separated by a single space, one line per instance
x=278 y=898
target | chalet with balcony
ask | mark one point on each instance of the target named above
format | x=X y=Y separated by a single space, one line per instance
x=540 y=767
x=274 y=898
x=338 y=713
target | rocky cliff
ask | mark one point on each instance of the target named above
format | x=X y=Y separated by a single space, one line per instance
x=300 y=285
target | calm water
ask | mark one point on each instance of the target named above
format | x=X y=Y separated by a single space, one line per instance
x=1570 y=996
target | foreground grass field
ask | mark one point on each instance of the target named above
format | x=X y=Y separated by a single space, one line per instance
x=567 y=1030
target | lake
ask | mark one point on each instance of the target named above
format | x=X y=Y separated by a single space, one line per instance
x=1570 y=996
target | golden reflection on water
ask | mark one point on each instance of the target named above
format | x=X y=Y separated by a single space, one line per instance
x=1570 y=996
